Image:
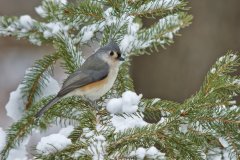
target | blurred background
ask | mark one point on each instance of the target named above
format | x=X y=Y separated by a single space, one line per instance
x=175 y=73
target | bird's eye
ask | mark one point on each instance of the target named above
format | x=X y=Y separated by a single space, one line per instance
x=111 y=53
x=119 y=54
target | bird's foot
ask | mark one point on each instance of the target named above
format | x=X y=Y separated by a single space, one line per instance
x=93 y=104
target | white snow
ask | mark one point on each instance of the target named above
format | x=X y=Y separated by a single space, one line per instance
x=86 y=130
x=213 y=70
x=131 y=40
x=41 y=11
x=11 y=28
x=155 y=100
x=122 y=123
x=52 y=143
x=109 y=16
x=170 y=4
x=233 y=102
x=100 y=138
x=19 y=153
x=129 y=108
x=26 y=22
x=183 y=128
x=140 y=153
x=66 y=131
x=61 y=1
x=2 y=139
x=97 y=145
x=111 y=19
x=154 y=153
x=170 y=19
x=54 y=28
x=114 y=105
x=127 y=104
x=87 y=32
x=214 y=154
x=89 y=134
x=237 y=81
x=221 y=58
x=130 y=97
x=224 y=142
x=79 y=153
x=126 y=44
x=15 y=105
x=149 y=153
x=35 y=40
x=228 y=154
x=133 y=27
x=232 y=57
x=52 y=87
x=108 y=12
x=97 y=148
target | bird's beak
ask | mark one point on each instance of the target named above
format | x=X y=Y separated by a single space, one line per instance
x=121 y=59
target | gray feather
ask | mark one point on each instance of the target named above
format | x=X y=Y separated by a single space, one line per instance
x=93 y=70
x=47 y=106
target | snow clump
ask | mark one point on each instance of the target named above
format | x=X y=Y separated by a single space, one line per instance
x=2 y=139
x=149 y=153
x=53 y=143
x=16 y=104
x=128 y=103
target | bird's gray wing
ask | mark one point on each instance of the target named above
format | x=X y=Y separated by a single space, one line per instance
x=88 y=73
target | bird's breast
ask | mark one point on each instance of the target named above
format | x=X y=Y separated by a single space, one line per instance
x=97 y=89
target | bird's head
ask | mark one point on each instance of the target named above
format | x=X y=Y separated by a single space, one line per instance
x=111 y=53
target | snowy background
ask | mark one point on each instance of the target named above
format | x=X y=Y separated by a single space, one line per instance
x=178 y=71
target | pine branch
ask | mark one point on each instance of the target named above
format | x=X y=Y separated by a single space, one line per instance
x=67 y=153
x=160 y=33
x=152 y=135
x=69 y=53
x=21 y=129
x=208 y=114
x=18 y=131
x=156 y=109
x=87 y=9
x=54 y=10
x=117 y=5
x=36 y=77
x=181 y=131
x=22 y=27
x=158 y=8
x=217 y=75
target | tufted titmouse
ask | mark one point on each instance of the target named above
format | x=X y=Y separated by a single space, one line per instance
x=94 y=78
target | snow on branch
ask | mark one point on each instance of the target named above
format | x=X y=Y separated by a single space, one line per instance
x=19 y=101
x=127 y=125
x=153 y=7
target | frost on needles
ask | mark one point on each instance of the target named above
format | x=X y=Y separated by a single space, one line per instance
x=204 y=126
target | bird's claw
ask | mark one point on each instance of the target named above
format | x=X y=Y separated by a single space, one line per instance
x=93 y=103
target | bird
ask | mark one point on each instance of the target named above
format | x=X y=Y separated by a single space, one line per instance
x=93 y=79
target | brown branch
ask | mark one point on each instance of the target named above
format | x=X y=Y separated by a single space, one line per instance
x=31 y=93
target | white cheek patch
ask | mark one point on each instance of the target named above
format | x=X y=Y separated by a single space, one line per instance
x=115 y=55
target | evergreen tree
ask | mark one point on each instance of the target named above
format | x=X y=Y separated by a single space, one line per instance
x=204 y=126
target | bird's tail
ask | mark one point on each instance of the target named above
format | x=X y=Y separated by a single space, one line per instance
x=47 y=106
